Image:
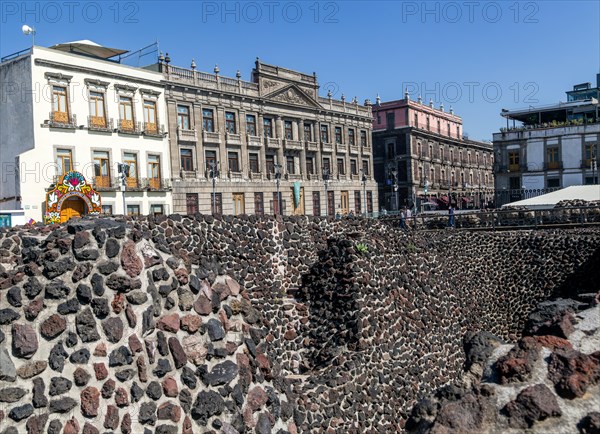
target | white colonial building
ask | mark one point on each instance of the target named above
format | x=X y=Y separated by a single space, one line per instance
x=70 y=115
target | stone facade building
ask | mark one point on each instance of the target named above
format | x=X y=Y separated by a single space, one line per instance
x=552 y=147
x=421 y=156
x=235 y=143
x=70 y=116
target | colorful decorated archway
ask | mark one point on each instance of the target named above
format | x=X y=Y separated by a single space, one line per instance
x=71 y=188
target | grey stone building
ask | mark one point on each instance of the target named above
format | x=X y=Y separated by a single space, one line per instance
x=234 y=144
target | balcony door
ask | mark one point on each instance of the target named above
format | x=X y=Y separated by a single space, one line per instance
x=345 y=202
x=238 y=204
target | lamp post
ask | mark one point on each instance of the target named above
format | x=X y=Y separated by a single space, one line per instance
x=364 y=185
x=123 y=175
x=395 y=188
x=277 y=168
x=214 y=174
x=326 y=182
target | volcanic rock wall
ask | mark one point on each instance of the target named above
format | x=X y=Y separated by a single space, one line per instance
x=193 y=324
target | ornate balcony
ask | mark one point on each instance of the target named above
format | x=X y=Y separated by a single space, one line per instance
x=126 y=126
x=211 y=137
x=272 y=142
x=188 y=174
x=293 y=144
x=293 y=176
x=312 y=146
x=366 y=150
x=100 y=123
x=254 y=141
x=354 y=149
x=233 y=139
x=553 y=165
x=156 y=184
x=62 y=120
x=153 y=130
x=326 y=147
x=184 y=135
x=106 y=183
x=341 y=147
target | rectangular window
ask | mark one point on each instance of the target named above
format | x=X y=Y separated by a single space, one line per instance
x=251 y=125
x=183 y=117
x=351 y=137
x=513 y=160
x=338 y=135
x=150 y=116
x=277 y=203
x=233 y=160
x=59 y=99
x=64 y=161
x=553 y=182
x=340 y=166
x=133 y=210
x=97 y=109
x=391 y=120
x=353 y=167
x=107 y=209
x=211 y=159
x=357 y=207
x=102 y=168
x=268 y=127
x=289 y=163
x=230 y=125
x=157 y=209
x=208 y=123
x=363 y=138
x=366 y=167
x=458 y=132
x=327 y=165
x=330 y=203
x=253 y=159
x=187 y=160
x=126 y=109
x=310 y=165
x=130 y=159
x=191 y=203
x=324 y=134
x=308 y=132
x=154 y=171
x=369 y=202
x=270 y=162
x=287 y=126
x=216 y=203
x=316 y=200
x=552 y=157
x=259 y=204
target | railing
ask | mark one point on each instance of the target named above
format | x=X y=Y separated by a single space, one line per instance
x=62 y=120
x=233 y=138
x=105 y=183
x=188 y=174
x=272 y=142
x=327 y=146
x=156 y=184
x=312 y=146
x=152 y=129
x=210 y=137
x=293 y=176
x=186 y=135
x=126 y=126
x=254 y=140
x=341 y=147
x=553 y=124
x=366 y=150
x=293 y=144
x=354 y=149
x=506 y=219
x=100 y=123
x=553 y=165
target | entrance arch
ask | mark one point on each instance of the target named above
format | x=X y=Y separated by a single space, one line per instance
x=72 y=207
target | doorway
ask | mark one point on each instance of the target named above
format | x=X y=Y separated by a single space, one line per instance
x=73 y=207
x=345 y=202
x=238 y=203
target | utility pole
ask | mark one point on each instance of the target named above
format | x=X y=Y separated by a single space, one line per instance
x=278 y=181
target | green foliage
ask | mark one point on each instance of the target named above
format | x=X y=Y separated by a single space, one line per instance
x=362 y=248
x=411 y=248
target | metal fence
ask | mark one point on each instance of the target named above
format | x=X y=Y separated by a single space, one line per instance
x=503 y=219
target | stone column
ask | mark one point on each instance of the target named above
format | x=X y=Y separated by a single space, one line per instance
x=300 y=127
x=279 y=135
x=263 y=150
x=245 y=168
x=222 y=155
x=200 y=164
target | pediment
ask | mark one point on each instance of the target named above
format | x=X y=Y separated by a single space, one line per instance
x=291 y=94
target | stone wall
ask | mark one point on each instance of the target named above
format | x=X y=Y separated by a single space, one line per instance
x=255 y=324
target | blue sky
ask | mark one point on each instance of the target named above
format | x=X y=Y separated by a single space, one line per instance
x=476 y=56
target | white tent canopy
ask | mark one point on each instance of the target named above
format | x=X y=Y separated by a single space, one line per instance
x=588 y=193
x=88 y=48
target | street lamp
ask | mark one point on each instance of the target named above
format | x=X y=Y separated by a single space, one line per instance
x=364 y=185
x=277 y=168
x=214 y=174
x=326 y=181
x=395 y=188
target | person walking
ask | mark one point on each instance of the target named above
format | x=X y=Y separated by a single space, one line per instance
x=403 y=219
x=451 y=217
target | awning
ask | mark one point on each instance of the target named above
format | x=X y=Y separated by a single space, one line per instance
x=88 y=48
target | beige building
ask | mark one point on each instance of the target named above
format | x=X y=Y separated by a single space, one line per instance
x=235 y=143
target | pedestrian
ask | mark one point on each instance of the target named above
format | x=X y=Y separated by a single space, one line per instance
x=451 y=217
x=403 y=219
x=408 y=215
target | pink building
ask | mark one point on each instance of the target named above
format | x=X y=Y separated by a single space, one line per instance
x=421 y=155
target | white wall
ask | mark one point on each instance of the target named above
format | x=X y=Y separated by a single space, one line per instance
x=38 y=167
